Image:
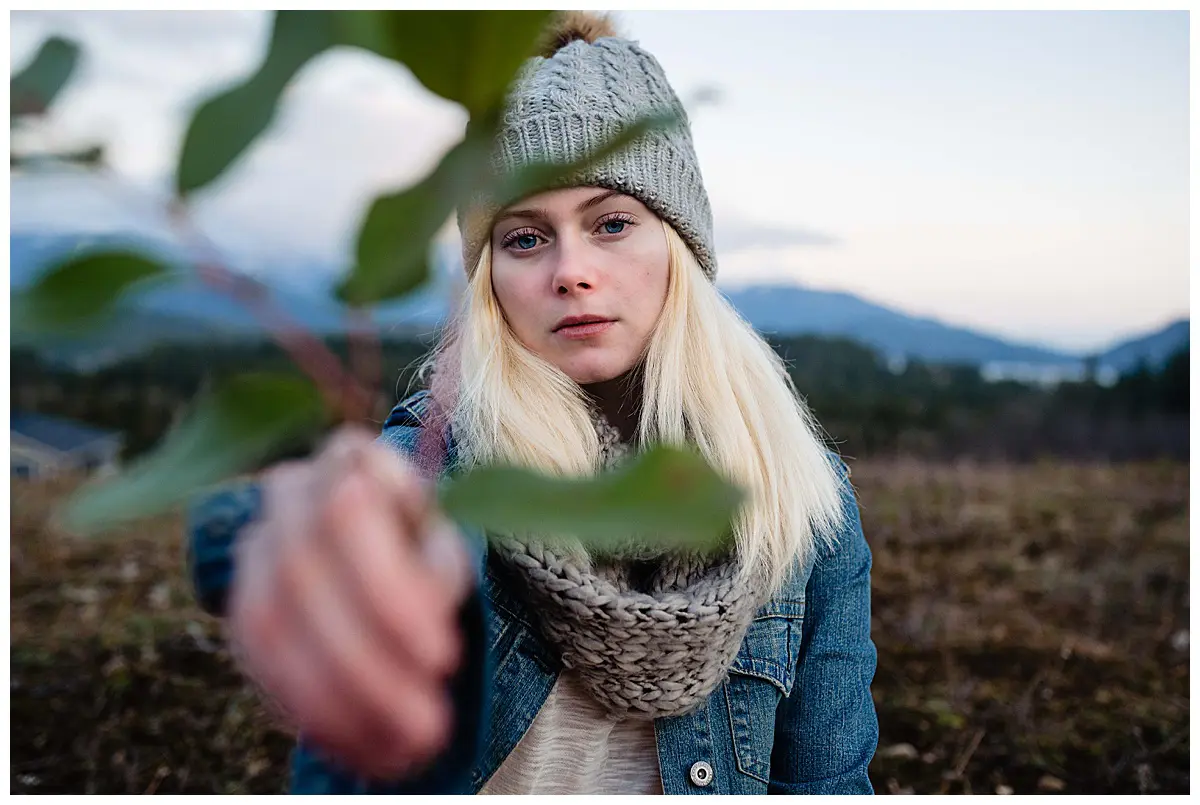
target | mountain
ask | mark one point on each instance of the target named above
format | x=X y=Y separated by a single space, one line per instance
x=127 y=334
x=1153 y=348
x=789 y=309
x=191 y=310
x=305 y=294
x=189 y=298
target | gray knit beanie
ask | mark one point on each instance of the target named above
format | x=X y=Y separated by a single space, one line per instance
x=587 y=87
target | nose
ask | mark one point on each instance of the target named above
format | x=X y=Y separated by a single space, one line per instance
x=573 y=271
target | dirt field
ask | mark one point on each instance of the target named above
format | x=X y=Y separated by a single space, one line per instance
x=1032 y=626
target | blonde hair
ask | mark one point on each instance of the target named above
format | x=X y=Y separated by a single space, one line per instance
x=709 y=380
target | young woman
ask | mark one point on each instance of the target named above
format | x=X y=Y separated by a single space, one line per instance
x=413 y=657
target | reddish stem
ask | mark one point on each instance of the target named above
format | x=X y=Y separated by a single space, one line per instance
x=366 y=359
x=340 y=389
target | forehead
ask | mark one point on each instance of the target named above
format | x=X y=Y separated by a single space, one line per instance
x=561 y=201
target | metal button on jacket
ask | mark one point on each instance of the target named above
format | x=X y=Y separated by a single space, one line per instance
x=701 y=773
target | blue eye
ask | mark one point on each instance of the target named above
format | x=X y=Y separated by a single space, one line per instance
x=614 y=227
x=522 y=240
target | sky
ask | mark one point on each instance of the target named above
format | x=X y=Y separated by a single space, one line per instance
x=1025 y=174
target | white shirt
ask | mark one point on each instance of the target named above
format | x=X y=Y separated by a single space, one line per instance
x=574 y=746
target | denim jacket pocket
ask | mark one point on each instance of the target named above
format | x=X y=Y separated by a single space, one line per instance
x=763 y=672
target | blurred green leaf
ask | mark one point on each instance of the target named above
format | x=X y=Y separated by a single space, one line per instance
x=224 y=126
x=667 y=495
x=81 y=292
x=541 y=176
x=394 y=241
x=465 y=56
x=230 y=431
x=32 y=90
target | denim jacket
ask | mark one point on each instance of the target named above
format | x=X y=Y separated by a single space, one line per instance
x=794 y=715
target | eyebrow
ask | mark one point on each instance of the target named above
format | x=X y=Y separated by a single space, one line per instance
x=538 y=212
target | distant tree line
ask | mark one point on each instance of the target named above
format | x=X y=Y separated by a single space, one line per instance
x=948 y=411
x=865 y=406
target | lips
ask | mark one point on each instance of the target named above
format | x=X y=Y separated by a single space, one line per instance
x=578 y=321
x=583 y=328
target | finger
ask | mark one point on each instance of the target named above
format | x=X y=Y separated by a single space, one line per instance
x=442 y=550
x=320 y=699
x=340 y=442
x=270 y=647
x=352 y=453
x=395 y=752
x=262 y=642
x=382 y=571
x=285 y=474
x=341 y=452
x=442 y=547
x=397 y=698
x=399 y=481
x=319 y=707
x=274 y=650
x=286 y=514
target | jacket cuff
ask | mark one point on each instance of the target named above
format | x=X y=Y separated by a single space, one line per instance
x=213 y=524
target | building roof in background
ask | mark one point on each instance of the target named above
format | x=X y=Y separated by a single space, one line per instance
x=60 y=434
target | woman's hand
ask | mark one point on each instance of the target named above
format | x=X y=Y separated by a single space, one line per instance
x=344 y=606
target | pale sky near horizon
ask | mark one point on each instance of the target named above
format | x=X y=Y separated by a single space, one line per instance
x=1025 y=174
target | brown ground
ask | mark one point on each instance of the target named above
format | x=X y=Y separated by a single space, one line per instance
x=1032 y=626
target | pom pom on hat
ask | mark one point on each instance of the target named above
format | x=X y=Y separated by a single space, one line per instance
x=569 y=26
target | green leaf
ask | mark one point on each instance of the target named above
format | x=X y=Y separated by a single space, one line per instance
x=229 y=432
x=465 y=56
x=393 y=243
x=81 y=292
x=669 y=496
x=469 y=57
x=540 y=176
x=224 y=126
x=32 y=90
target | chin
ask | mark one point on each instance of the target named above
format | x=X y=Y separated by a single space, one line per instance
x=584 y=372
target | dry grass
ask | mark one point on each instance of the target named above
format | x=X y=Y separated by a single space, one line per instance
x=1031 y=625
x=120 y=683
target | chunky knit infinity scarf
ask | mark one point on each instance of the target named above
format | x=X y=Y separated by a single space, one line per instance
x=649 y=636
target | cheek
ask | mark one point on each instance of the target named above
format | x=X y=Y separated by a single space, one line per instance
x=516 y=298
x=651 y=293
